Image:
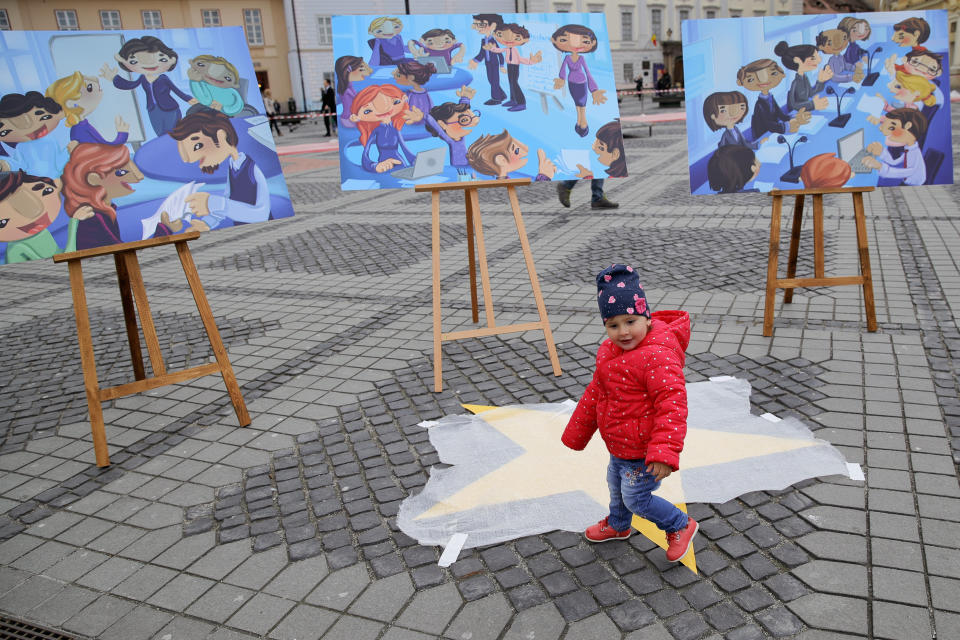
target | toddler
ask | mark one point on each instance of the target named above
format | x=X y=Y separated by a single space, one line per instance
x=638 y=401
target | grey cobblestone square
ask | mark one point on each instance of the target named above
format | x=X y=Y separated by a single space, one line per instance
x=288 y=528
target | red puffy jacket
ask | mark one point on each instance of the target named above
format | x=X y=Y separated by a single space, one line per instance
x=638 y=398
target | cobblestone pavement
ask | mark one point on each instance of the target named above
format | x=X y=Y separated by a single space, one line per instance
x=286 y=529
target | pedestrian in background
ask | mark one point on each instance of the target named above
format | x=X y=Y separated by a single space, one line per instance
x=272 y=109
x=328 y=105
x=640 y=87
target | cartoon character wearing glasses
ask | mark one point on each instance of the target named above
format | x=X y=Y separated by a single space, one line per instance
x=452 y=122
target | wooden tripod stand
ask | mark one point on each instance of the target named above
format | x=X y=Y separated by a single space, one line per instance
x=819 y=280
x=475 y=230
x=133 y=292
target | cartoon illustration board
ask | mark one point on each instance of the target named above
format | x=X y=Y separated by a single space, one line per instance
x=101 y=144
x=412 y=108
x=822 y=100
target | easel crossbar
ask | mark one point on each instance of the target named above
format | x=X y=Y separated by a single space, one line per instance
x=491 y=331
x=111 y=393
x=835 y=281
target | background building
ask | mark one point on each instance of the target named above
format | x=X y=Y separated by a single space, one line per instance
x=264 y=26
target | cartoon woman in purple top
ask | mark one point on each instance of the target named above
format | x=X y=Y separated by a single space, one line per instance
x=79 y=95
x=386 y=43
x=415 y=75
x=575 y=40
x=438 y=42
x=349 y=69
x=153 y=59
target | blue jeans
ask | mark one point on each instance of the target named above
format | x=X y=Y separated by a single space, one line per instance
x=631 y=491
x=596 y=188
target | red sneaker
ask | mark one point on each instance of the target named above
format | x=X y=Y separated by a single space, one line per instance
x=603 y=532
x=680 y=542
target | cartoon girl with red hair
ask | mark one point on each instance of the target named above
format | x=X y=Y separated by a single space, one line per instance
x=93 y=177
x=380 y=111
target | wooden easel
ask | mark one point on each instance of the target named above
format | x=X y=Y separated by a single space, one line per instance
x=475 y=229
x=819 y=280
x=133 y=292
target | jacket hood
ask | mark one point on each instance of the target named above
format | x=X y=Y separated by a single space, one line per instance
x=670 y=329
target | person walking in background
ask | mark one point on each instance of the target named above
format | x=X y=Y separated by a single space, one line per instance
x=328 y=102
x=640 y=87
x=272 y=109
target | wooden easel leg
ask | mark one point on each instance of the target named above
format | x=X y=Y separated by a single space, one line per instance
x=143 y=308
x=87 y=362
x=206 y=315
x=818 y=235
x=482 y=255
x=437 y=325
x=862 y=246
x=772 y=266
x=474 y=303
x=794 y=245
x=130 y=317
x=534 y=282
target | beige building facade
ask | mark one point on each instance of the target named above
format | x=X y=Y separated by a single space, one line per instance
x=263 y=23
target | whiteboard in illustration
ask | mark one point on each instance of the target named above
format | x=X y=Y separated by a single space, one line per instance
x=447 y=98
x=109 y=137
x=818 y=101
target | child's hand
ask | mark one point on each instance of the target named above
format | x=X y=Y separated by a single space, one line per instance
x=660 y=470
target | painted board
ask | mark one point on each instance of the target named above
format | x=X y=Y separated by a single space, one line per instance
x=818 y=101
x=116 y=136
x=443 y=98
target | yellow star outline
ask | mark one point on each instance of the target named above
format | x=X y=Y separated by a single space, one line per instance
x=547 y=467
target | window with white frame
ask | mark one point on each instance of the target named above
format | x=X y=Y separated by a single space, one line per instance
x=110 y=20
x=4 y=20
x=562 y=7
x=324 y=31
x=152 y=20
x=253 y=24
x=67 y=20
x=656 y=22
x=711 y=13
x=211 y=17
x=628 y=72
x=595 y=8
x=684 y=14
x=626 y=24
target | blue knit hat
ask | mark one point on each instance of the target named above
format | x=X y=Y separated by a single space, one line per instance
x=619 y=292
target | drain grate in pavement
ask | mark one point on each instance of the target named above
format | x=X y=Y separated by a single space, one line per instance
x=13 y=629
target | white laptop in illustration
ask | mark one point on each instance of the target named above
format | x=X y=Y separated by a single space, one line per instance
x=851 y=150
x=428 y=163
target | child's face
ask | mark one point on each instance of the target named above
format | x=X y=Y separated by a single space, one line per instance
x=204 y=150
x=923 y=66
x=809 y=64
x=150 y=62
x=117 y=182
x=860 y=31
x=386 y=30
x=28 y=210
x=360 y=72
x=509 y=39
x=605 y=156
x=458 y=126
x=438 y=43
x=728 y=115
x=906 y=38
x=32 y=125
x=763 y=80
x=402 y=79
x=90 y=95
x=895 y=134
x=381 y=109
x=837 y=41
x=573 y=43
x=482 y=26
x=900 y=92
x=516 y=157
x=627 y=331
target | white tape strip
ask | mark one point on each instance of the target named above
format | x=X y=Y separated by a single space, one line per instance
x=855 y=471
x=452 y=550
x=721 y=378
x=770 y=417
x=426 y=424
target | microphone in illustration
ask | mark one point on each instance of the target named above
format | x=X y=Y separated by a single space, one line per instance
x=871 y=75
x=842 y=118
x=793 y=174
